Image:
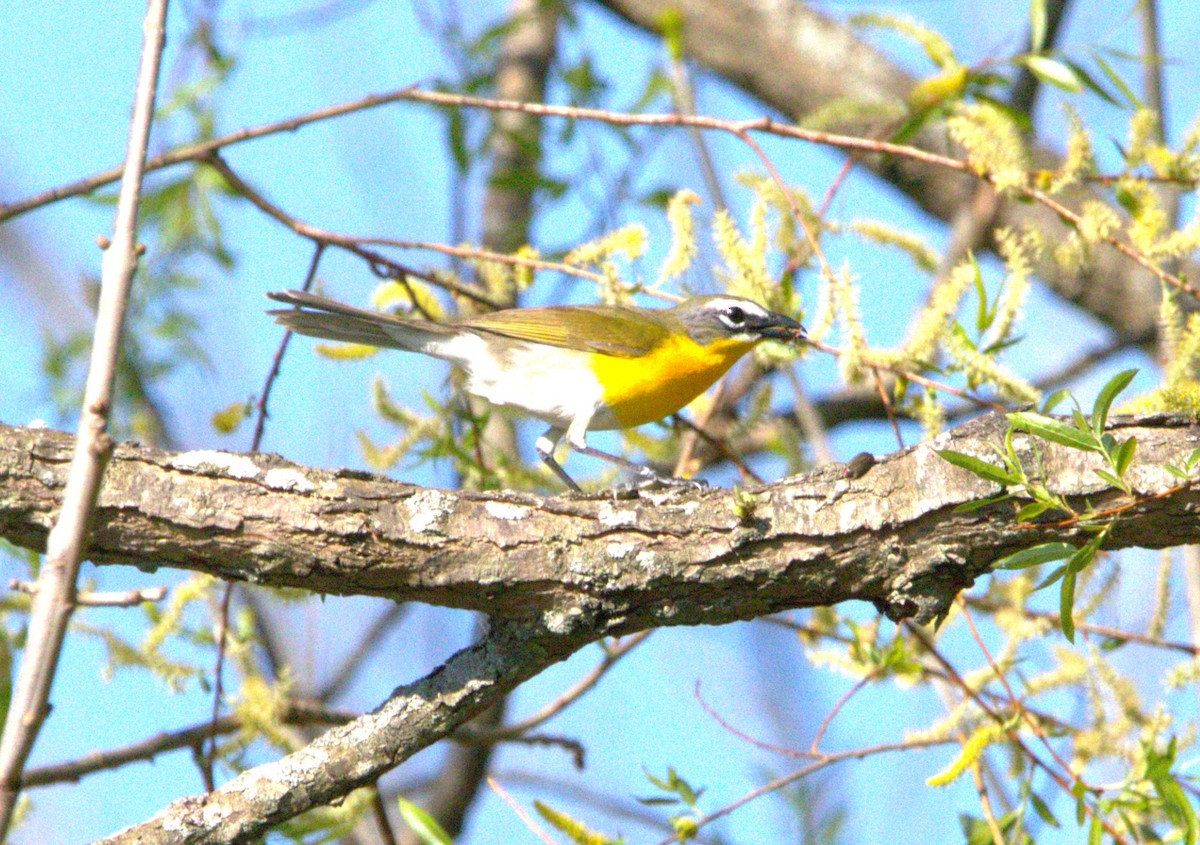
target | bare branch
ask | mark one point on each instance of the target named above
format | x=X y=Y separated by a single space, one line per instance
x=357 y=753
x=298 y=713
x=765 y=46
x=612 y=566
x=351 y=245
x=128 y=598
x=54 y=599
x=890 y=537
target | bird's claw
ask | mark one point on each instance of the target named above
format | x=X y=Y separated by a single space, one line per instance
x=648 y=481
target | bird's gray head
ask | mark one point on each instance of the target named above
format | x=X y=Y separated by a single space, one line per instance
x=711 y=318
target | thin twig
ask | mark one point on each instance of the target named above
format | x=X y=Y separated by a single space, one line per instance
x=467 y=735
x=812 y=768
x=260 y=425
x=126 y=598
x=809 y=419
x=197 y=152
x=533 y=826
x=297 y=713
x=916 y=378
x=1100 y=630
x=720 y=444
x=1014 y=701
x=740 y=128
x=379 y=810
x=208 y=760
x=739 y=733
x=985 y=805
x=479 y=254
x=887 y=406
x=1066 y=782
x=351 y=245
x=837 y=708
x=202 y=151
x=55 y=597
x=611 y=656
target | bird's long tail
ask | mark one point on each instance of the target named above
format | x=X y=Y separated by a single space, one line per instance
x=318 y=316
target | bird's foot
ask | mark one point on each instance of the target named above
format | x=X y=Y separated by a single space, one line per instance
x=649 y=481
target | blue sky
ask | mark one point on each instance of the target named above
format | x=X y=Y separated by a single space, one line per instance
x=68 y=80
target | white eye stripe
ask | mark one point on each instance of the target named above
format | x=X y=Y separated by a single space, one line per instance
x=721 y=305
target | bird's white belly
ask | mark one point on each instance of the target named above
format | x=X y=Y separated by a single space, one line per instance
x=553 y=384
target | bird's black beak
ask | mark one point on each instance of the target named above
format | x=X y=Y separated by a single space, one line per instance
x=778 y=327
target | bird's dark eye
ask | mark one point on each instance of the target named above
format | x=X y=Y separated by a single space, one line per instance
x=735 y=316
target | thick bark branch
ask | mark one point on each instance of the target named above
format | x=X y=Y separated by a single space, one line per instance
x=558 y=573
x=797 y=61
x=356 y=754
x=599 y=563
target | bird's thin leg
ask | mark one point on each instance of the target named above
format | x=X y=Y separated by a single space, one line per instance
x=576 y=436
x=546 y=444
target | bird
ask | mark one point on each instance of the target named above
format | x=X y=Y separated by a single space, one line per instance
x=577 y=368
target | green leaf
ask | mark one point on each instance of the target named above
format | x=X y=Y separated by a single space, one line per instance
x=1096 y=832
x=226 y=421
x=1066 y=605
x=984 y=316
x=1116 y=80
x=1109 y=644
x=575 y=830
x=674 y=783
x=457 y=132
x=1053 y=577
x=1193 y=459
x=1107 y=394
x=1054 y=430
x=1079 y=790
x=978 y=467
x=1111 y=479
x=1081 y=422
x=685 y=828
x=1123 y=456
x=1000 y=345
x=1036 y=556
x=1043 y=811
x=657 y=85
x=1087 y=553
x=960 y=334
x=1037 y=25
x=979 y=504
x=1091 y=83
x=1054 y=72
x=422 y=824
x=1032 y=511
x=975 y=831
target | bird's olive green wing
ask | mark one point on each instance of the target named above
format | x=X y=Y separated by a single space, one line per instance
x=607 y=329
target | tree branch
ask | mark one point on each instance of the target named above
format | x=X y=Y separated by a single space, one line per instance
x=558 y=573
x=54 y=600
x=764 y=46
x=297 y=713
x=613 y=566
x=356 y=754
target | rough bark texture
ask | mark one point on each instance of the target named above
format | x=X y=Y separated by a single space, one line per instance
x=557 y=573
x=662 y=558
x=356 y=754
x=796 y=61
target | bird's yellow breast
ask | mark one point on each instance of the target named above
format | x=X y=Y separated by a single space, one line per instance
x=650 y=387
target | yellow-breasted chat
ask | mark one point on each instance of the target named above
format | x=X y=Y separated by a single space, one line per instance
x=578 y=368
